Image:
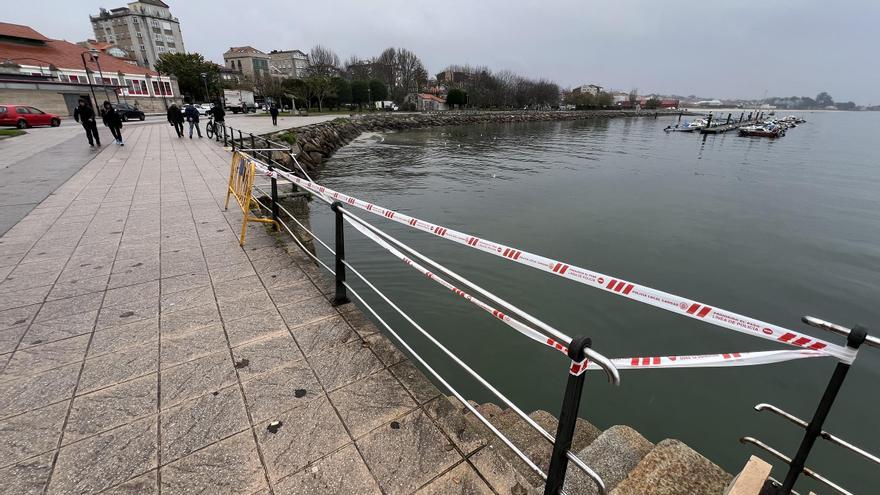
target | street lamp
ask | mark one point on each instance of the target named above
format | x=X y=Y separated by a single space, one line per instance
x=89 y=79
x=94 y=56
x=205 y=80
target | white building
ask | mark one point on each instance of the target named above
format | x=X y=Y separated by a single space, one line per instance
x=145 y=29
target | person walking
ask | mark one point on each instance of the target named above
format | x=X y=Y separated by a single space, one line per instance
x=273 y=111
x=84 y=114
x=113 y=121
x=219 y=117
x=175 y=118
x=192 y=116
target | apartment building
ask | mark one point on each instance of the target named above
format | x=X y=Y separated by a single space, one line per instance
x=145 y=29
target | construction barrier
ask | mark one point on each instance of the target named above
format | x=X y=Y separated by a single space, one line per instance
x=241 y=183
x=614 y=285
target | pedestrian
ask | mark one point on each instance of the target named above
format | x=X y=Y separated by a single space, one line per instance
x=175 y=118
x=86 y=116
x=192 y=116
x=219 y=117
x=273 y=111
x=113 y=121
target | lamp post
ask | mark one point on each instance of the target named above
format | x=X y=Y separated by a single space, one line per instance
x=94 y=55
x=205 y=80
x=89 y=79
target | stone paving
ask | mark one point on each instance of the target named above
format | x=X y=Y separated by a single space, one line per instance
x=142 y=351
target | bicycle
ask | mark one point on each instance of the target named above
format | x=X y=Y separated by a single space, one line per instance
x=211 y=128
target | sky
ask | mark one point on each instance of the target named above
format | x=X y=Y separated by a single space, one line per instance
x=735 y=49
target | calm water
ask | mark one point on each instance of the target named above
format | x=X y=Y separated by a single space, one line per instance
x=771 y=229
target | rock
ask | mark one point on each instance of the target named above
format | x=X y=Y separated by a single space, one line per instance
x=316 y=157
x=615 y=453
x=673 y=468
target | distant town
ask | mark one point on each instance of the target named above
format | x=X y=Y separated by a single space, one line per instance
x=138 y=57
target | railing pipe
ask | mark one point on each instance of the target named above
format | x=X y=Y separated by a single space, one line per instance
x=341 y=297
x=855 y=339
x=824 y=434
x=567 y=420
x=839 y=329
x=807 y=471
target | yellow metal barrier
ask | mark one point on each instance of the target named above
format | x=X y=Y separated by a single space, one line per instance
x=241 y=184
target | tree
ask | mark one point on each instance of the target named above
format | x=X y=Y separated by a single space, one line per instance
x=360 y=93
x=378 y=90
x=652 y=103
x=456 y=97
x=299 y=90
x=188 y=69
x=633 y=96
x=342 y=90
x=324 y=62
x=823 y=100
x=320 y=87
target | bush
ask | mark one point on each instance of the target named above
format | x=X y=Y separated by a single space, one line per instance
x=288 y=137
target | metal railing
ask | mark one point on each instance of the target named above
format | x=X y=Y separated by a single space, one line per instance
x=579 y=348
x=855 y=338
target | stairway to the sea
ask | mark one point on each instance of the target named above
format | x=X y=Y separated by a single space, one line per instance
x=628 y=463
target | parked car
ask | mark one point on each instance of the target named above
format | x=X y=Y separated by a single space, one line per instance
x=22 y=116
x=205 y=108
x=127 y=112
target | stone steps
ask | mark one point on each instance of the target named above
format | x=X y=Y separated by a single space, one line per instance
x=628 y=463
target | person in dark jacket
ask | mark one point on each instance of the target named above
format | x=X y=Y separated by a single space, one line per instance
x=273 y=111
x=175 y=118
x=86 y=116
x=192 y=116
x=219 y=117
x=113 y=121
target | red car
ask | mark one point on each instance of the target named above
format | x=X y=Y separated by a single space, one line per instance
x=22 y=116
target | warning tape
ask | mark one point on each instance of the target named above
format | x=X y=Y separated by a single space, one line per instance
x=577 y=368
x=614 y=285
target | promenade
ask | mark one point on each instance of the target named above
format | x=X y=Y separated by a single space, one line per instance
x=142 y=351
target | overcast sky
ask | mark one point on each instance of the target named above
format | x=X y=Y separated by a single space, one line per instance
x=732 y=49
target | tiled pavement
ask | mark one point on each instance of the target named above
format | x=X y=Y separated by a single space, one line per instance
x=143 y=351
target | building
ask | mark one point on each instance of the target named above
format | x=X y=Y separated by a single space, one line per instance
x=288 y=64
x=248 y=60
x=53 y=74
x=591 y=89
x=427 y=102
x=145 y=29
x=450 y=76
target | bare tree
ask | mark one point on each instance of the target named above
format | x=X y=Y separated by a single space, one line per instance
x=324 y=61
x=385 y=68
x=409 y=72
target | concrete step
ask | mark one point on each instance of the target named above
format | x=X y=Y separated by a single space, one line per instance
x=673 y=468
x=612 y=456
x=533 y=444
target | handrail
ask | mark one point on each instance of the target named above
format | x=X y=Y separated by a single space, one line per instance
x=782 y=457
x=824 y=434
x=838 y=329
x=601 y=360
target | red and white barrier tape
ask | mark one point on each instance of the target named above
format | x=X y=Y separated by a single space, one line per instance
x=711 y=360
x=614 y=285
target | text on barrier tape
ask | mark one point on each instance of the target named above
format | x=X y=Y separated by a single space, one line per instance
x=614 y=285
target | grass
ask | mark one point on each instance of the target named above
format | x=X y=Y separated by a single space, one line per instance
x=8 y=133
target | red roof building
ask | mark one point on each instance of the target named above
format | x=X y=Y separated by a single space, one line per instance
x=53 y=74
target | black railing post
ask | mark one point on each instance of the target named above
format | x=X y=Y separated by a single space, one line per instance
x=232 y=137
x=856 y=337
x=253 y=143
x=274 y=197
x=240 y=139
x=567 y=420
x=224 y=134
x=341 y=296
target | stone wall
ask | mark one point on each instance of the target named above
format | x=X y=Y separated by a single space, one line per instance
x=314 y=144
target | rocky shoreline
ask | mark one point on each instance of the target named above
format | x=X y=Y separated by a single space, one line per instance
x=314 y=144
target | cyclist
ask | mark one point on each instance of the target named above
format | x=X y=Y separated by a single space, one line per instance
x=218 y=119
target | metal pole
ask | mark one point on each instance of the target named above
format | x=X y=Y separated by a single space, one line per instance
x=567 y=419
x=240 y=139
x=100 y=73
x=274 y=198
x=341 y=296
x=814 y=429
x=89 y=79
x=253 y=142
x=224 y=134
x=232 y=137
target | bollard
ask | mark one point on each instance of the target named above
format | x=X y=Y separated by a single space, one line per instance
x=274 y=198
x=567 y=420
x=341 y=296
x=855 y=339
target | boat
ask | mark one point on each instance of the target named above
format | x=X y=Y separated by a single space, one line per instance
x=771 y=131
x=696 y=125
